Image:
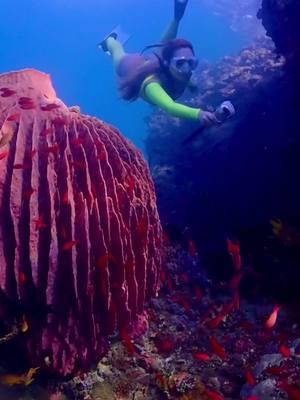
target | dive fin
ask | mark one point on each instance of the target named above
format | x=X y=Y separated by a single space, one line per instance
x=179 y=9
x=117 y=34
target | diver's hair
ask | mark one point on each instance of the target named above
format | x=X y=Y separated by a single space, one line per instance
x=131 y=85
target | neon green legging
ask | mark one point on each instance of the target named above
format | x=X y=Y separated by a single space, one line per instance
x=117 y=51
x=153 y=92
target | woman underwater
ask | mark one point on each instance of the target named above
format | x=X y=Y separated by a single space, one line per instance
x=162 y=77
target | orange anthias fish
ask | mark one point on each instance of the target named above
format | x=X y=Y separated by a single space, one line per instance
x=271 y=321
x=285 y=350
x=201 y=356
x=250 y=377
x=4 y=154
x=26 y=103
x=127 y=341
x=28 y=193
x=218 y=348
x=71 y=243
x=14 y=117
x=166 y=345
x=50 y=107
x=212 y=395
x=235 y=251
x=216 y=321
x=292 y=391
x=104 y=260
x=39 y=223
x=23 y=379
x=6 y=92
x=53 y=149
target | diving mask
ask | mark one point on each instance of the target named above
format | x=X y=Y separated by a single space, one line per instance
x=184 y=64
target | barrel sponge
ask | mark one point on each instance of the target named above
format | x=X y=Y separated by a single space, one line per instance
x=80 y=235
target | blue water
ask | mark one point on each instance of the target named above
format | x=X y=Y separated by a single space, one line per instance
x=60 y=36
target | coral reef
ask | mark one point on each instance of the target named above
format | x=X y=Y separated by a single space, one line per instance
x=193 y=350
x=80 y=234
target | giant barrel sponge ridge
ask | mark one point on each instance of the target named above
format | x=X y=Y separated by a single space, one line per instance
x=80 y=236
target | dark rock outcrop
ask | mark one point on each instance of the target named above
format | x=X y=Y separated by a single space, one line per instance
x=231 y=180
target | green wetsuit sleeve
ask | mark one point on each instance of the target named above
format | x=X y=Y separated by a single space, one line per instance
x=155 y=94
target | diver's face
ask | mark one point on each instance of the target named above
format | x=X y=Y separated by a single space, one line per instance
x=182 y=64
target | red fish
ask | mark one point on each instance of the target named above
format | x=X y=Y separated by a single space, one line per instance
x=77 y=142
x=22 y=277
x=285 y=351
x=28 y=193
x=218 y=348
x=104 y=260
x=39 y=223
x=201 y=356
x=271 y=321
x=20 y=166
x=236 y=280
x=50 y=107
x=79 y=164
x=236 y=299
x=292 y=391
x=277 y=370
x=166 y=345
x=53 y=149
x=32 y=153
x=71 y=243
x=3 y=154
x=250 y=377
x=65 y=198
x=13 y=117
x=26 y=103
x=213 y=395
x=161 y=379
x=47 y=131
x=235 y=252
x=130 y=183
x=127 y=341
x=7 y=92
x=101 y=155
x=215 y=322
x=184 y=303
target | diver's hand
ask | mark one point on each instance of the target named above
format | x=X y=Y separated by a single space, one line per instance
x=208 y=118
x=179 y=9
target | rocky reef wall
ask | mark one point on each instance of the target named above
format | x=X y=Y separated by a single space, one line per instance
x=232 y=180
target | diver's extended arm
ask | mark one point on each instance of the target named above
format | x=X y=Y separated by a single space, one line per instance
x=155 y=94
x=172 y=30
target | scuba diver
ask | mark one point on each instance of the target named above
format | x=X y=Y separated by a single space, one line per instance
x=163 y=76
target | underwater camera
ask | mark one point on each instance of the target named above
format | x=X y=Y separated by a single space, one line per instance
x=224 y=111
